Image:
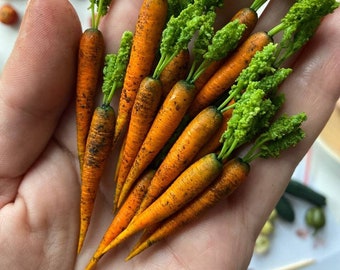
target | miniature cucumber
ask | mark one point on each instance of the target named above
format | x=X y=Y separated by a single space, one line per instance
x=306 y=193
x=285 y=209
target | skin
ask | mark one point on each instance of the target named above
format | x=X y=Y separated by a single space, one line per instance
x=39 y=173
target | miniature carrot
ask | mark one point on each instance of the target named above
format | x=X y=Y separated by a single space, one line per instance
x=214 y=142
x=234 y=173
x=196 y=134
x=143 y=112
x=149 y=27
x=98 y=147
x=176 y=70
x=188 y=185
x=123 y=216
x=90 y=61
x=100 y=138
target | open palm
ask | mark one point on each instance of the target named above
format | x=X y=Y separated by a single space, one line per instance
x=39 y=173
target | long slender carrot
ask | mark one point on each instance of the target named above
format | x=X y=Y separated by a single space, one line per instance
x=176 y=70
x=143 y=112
x=90 y=61
x=166 y=121
x=149 y=27
x=247 y=16
x=123 y=216
x=184 y=189
x=233 y=175
x=98 y=146
x=226 y=75
x=195 y=135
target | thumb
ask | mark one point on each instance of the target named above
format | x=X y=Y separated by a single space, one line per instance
x=36 y=83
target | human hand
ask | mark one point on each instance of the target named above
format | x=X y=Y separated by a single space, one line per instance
x=39 y=174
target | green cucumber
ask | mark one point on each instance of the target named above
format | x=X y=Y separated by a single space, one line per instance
x=305 y=193
x=285 y=209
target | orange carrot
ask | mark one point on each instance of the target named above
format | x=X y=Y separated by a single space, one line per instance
x=143 y=112
x=184 y=189
x=166 y=121
x=149 y=27
x=195 y=135
x=233 y=175
x=98 y=146
x=247 y=16
x=123 y=216
x=226 y=75
x=208 y=72
x=90 y=61
x=214 y=142
x=176 y=70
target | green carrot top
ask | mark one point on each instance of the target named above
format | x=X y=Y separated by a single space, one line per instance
x=177 y=34
x=299 y=24
x=251 y=113
x=284 y=133
x=115 y=67
x=96 y=14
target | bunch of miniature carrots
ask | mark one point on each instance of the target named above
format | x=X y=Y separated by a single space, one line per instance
x=169 y=170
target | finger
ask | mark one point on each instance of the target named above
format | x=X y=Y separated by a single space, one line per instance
x=36 y=83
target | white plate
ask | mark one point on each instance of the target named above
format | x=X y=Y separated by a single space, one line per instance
x=293 y=243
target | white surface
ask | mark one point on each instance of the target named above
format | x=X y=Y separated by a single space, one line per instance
x=294 y=242
x=318 y=169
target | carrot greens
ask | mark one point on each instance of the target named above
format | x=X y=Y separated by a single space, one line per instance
x=97 y=14
x=299 y=24
x=115 y=67
x=284 y=133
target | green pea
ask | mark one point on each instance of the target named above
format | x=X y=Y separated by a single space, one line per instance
x=315 y=218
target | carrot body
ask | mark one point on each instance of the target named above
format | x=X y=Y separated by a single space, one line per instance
x=226 y=75
x=233 y=175
x=149 y=27
x=166 y=121
x=208 y=72
x=195 y=135
x=98 y=146
x=123 y=216
x=176 y=70
x=214 y=142
x=245 y=16
x=184 y=189
x=248 y=17
x=90 y=60
x=142 y=115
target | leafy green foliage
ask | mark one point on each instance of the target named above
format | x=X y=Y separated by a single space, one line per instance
x=115 y=67
x=285 y=132
x=299 y=24
x=100 y=11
